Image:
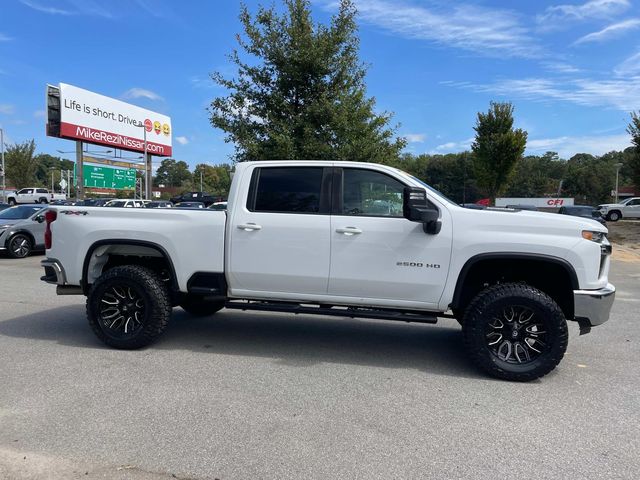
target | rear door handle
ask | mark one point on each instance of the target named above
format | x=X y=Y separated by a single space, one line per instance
x=349 y=231
x=247 y=227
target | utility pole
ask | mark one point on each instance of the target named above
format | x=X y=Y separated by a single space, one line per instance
x=201 y=178
x=618 y=166
x=147 y=168
x=4 y=171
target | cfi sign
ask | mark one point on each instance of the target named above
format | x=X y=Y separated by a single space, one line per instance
x=540 y=202
x=95 y=118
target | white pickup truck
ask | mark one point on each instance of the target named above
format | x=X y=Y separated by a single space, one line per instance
x=33 y=195
x=344 y=239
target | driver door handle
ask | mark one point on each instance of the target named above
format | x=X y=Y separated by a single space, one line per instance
x=247 y=227
x=349 y=231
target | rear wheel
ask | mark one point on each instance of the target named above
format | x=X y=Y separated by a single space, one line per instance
x=515 y=332
x=201 y=308
x=614 y=216
x=19 y=246
x=128 y=307
x=42 y=200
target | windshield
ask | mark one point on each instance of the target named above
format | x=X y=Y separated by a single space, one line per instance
x=18 y=213
x=624 y=202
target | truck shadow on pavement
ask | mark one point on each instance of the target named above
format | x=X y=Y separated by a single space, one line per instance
x=298 y=341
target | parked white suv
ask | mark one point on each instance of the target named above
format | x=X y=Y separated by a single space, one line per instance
x=344 y=239
x=628 y=208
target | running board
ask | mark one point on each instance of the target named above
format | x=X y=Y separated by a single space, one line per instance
x=335 y=311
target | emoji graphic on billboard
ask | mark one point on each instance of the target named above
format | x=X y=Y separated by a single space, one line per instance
x=157 y=127
x=166 y=130
x=148 y=125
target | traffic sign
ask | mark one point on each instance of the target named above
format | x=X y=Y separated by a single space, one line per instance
x=112 y=178
x=63 y=184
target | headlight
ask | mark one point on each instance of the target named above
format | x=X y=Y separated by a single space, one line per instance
x=597 y=237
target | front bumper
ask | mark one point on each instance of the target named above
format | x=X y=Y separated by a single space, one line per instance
x=593 y=306
x=53 y=272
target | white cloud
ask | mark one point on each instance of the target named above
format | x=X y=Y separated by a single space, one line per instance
x=610 y=31
x=555 y=16
x=453 y=147
x=39 y=114
x=569 y=146
x=141 y=93
x=482 y=30
x=5 y=38
x=415 y=137
x=631 y=66
x=621 y=94
x=561 y=67
x=182 y=140
x=76 y=7
x=45 y=8
x=6 y=108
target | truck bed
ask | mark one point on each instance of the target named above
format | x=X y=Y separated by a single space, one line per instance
x=192 y=239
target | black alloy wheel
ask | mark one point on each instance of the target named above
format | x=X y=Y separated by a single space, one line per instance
x=19 y=246
x=517 y=335
x=122 y=310
x=514 y=331
x=128 y=307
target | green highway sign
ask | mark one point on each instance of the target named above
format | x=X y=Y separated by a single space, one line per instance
x=102 y=177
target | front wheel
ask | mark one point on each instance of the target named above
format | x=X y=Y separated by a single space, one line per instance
x=128 y=307
x=19 y=246
x=614 y=216
x=515 y=332
x=11 y=201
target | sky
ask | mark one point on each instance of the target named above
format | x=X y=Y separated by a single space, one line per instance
x=571 y=68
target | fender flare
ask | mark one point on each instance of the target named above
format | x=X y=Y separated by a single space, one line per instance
x=464 y=272
x=138 y=243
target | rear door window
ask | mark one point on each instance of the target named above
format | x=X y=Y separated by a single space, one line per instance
x=286 y=190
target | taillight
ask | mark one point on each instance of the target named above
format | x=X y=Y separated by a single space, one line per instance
x=49 y=217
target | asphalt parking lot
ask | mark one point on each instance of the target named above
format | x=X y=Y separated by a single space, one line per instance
x=247 y=396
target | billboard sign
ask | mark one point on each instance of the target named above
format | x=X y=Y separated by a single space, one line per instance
x=112 y=178
x=553 y=202
x=94 y=118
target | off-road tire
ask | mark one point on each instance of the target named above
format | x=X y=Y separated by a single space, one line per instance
x=19 y=246
x=12 y=202
x=614 y=216
x=42 y=201
x=152 y=293
x=201 y=308
x=489 y=304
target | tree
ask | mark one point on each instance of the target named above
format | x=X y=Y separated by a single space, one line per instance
x=215 y=179
x=589 y=178
x=497 y=148
x=48 y=165
x=172 y=173
x=302 y=95
x=634 y=160
x=21 y=164
x=536 y=176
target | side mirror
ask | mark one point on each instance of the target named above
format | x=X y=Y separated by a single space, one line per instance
x=39 y=218
x=415 y=208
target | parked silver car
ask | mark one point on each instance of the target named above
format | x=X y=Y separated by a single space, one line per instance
x=22 y=230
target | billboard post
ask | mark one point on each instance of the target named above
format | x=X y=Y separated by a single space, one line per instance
x=79 y=174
